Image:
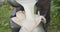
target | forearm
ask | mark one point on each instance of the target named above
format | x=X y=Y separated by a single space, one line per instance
x=13 y=3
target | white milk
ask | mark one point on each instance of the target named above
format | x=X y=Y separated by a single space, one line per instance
x=29 y=13
x=29 y=7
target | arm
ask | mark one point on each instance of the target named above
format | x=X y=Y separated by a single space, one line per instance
x=13 y=3
x=44 y=8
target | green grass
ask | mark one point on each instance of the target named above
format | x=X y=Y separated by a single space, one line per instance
x=6 y=10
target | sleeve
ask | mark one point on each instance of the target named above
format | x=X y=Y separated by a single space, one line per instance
x=13 y=3
x=44 y=7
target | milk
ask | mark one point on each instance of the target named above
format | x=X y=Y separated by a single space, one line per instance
x=29 y=13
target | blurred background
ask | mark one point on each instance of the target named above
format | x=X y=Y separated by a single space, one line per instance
x=6 y=9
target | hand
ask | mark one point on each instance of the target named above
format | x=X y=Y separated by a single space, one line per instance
x=19 y=17
x=27 y=24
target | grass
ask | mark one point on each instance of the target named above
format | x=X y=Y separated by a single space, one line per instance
x=6 y=10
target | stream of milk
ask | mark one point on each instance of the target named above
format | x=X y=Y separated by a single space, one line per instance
x=29 y=12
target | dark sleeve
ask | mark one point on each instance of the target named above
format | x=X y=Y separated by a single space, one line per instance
x=13 y=3
x=44 y=7
x=13 y=14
